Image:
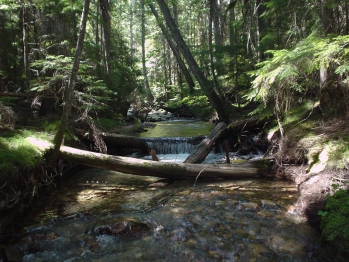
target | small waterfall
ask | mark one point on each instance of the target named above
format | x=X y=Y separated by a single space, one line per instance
x=173 y=145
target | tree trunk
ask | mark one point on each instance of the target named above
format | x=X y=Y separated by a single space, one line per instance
x=131 y=9
x=116 y=139
x=223 y=109
x=174 y=49
x=239 y=169
x=206 y=146
x=215 y=13
x=25 y=25
x=69 y=90
x=145 y=75
x=106 y=37
x=164 y=169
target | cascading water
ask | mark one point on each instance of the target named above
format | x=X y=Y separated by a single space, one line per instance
x=173 y=145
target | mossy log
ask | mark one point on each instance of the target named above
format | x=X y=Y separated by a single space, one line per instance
x=236 y=170
x=240 y=169
x=206 y=146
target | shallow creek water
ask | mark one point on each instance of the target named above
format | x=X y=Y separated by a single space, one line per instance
x=99 y=215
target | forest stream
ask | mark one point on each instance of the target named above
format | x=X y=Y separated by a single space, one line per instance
x=101 y=215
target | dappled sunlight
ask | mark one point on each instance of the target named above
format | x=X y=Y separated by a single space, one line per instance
x=215 y=220
x=41 y=144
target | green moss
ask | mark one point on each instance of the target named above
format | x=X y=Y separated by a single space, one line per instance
x=173 y=169
x=51 y=128
x=9 y=101
x=338 y=152
x=109 y=123
x=16 y=152
x=334 y=223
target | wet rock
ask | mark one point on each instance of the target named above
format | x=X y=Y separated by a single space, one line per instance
x=46 y=256
x=178 y=235
x=264 y=214
x=123 y=228
x=249 y=205
x=103 y=242
x=269 y=205
x=159 y=184
x=259 y=249
x=253 y=229
x=38 y=237
x=282 y=244
x=184 y=193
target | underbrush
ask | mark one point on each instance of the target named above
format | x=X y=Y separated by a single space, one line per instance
x=310 y=138
x=335 y=226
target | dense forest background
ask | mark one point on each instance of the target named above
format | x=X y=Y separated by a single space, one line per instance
x=281 y=66
x=211 y=56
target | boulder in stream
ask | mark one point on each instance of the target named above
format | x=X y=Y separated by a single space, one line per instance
x=123 y=227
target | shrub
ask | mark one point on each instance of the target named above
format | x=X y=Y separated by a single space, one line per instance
x=334 y=223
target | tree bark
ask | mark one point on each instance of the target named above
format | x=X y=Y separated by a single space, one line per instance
x=106 y=36
x=219 y=104
x=145 y=75
x=163 y=169
x=240 y=169
x=116 y=139
x=69 y=90
x=25 y=30
x=206 y=146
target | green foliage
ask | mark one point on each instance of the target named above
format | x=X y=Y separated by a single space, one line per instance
x=109 y=123
x=17 y=153
x=339 y=152
x=334 y=224
x=53 y=74
x=8 y=100
x=199 y=105
x=289 y=73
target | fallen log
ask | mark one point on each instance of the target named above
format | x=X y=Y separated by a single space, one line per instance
x=206 y=146
x=239 y=126
x=240 y=169
x=117 y=139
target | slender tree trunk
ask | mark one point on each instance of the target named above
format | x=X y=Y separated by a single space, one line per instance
x=215 y=13
x=131 y=7
x=233 y=52
x=106 y=35
x=346 y=18
x=69 y=90
x=210 y=44
x=145 y=75
x=25 y=25
x=217 y=102
x=97 y=40
x=327 y=17
x=174 y=49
